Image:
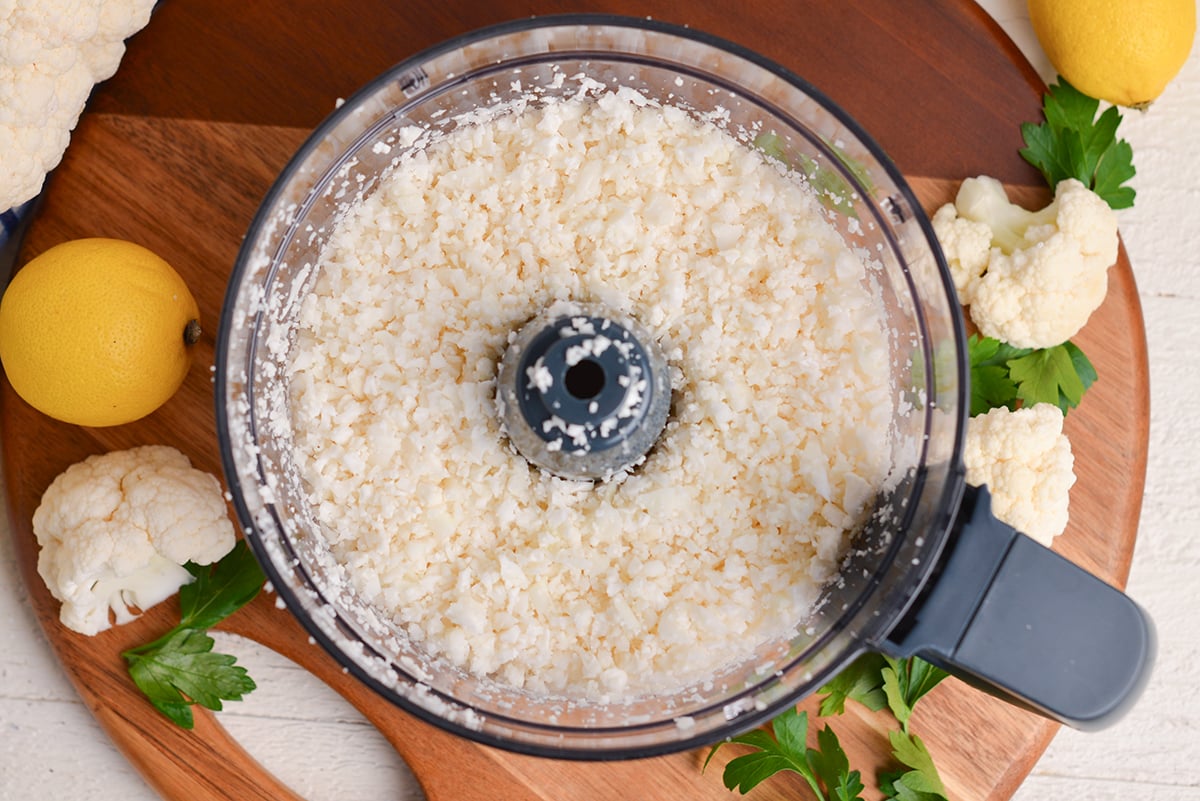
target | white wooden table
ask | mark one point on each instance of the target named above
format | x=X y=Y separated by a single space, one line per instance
x=51 y=748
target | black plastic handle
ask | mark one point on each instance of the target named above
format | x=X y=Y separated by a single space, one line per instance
x=1016 y=619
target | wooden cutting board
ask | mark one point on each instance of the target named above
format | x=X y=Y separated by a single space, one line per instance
x=176 y=151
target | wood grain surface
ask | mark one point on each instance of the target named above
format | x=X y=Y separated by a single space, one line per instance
x=178 y=149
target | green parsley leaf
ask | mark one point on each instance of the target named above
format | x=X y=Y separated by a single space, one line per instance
x=1115 y=169
x=991 y=385
x=832 y=768
x=770 y=144
x=825 y=768
x=182 y=670
x=1045 y=375
x=905 y=681
x=221 y=589
x=1058 y=375
x=1083 y=368
x=785 y=751
x=1074 y=143
x=831 y=187
x=860 y=681
x=921 y=782
x=179 y=669
x=1002 y=375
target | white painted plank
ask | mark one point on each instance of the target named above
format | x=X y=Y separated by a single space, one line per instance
x=293 y=713
x=54 y=749
x=1040 y=787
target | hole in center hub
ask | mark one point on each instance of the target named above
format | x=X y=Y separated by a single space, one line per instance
x=585 y=379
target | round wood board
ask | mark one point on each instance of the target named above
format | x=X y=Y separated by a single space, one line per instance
x=176 y=151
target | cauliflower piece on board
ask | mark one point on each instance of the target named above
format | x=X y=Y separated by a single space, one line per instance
x=1030 y=278
x=1025 y=459
x=116 y=529
x=51 y=55
x=965 y=243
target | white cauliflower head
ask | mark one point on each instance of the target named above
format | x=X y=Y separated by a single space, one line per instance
x=1031 y=279
x=116 y=529
x=1025 y=460
x=50 y=57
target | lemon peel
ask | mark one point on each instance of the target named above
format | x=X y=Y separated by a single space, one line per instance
x=1121 y=51
x=97 y=332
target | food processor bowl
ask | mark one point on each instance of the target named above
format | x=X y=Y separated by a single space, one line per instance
x=881 y=599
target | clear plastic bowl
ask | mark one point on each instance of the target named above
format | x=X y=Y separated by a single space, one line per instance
x=675 y=66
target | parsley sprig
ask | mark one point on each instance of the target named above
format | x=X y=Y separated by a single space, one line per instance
x=825 y=768
x=875 y=681
x=179 y=669
x=906 y=681
x=921 y=781
x=1002 y=375
x=861 y=681
x=1074 y=143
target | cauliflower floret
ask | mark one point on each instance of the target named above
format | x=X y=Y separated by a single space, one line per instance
x=50 y=57
x=1025 y=460
x=116 y=529
x=1031 y=279
x=965 y=243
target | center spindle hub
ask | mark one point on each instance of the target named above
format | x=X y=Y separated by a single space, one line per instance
x=583 y=392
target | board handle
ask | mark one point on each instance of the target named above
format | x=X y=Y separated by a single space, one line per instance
x=447 y=767
x=204 y=764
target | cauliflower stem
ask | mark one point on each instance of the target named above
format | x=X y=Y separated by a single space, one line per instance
x=1012 y=228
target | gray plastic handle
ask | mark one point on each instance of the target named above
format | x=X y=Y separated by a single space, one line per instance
x=1016 y=619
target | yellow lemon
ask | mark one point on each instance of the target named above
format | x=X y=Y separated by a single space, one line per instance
x=97 y=332
x=1122 y=51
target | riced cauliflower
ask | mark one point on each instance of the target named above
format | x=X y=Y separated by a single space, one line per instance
x=51 y=54
x=1025 y=459
x=116 y=529
x=782 y=405
x=1031 y=279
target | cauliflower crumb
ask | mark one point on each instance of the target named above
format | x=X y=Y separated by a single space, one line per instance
x=1031 y=279
x=116 y=529
x=1025 y=459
